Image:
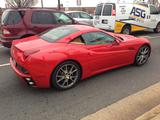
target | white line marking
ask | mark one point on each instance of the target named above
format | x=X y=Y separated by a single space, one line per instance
x=3 y=65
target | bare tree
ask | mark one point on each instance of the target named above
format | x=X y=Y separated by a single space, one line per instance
x=21 y=3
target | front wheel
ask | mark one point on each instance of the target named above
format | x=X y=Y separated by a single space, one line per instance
x=157 y=29
x=66 y=75
x=126 y=30
x=142 y=55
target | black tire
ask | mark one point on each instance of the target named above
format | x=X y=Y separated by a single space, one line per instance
x=126 y=30
x=65 y=79
x=142 y=57
x=157 y=29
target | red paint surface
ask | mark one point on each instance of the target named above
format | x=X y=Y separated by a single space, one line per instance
x=93 y=59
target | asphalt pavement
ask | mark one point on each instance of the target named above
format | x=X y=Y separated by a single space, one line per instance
x=20 y=102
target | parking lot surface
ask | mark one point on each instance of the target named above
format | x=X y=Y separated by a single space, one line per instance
x=20 y=102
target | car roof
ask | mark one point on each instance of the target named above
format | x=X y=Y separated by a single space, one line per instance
x=32 y=8
x=74 y=11
x=84 y=27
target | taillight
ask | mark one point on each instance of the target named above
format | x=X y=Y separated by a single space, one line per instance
x=113 y=12
x=29 y=52
x=6 y=32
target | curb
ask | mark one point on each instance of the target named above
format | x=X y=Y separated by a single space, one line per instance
x=130 y=107
x=153 y=114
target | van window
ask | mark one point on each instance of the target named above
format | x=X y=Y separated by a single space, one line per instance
x=98 y=9
x=107 y=10
x=43 y=17
x=153 y=10
x=12 y=17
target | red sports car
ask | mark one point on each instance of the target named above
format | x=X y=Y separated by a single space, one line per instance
x=62 y=56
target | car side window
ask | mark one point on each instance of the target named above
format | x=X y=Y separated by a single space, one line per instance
x=95 y=38
x=77 y=40
x=62 y=18
x=43 y=17
x=12 y=17
x=75 y=15
x=70 y=14
x=84 y=15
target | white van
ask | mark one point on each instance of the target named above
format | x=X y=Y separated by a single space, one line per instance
x=122 y=17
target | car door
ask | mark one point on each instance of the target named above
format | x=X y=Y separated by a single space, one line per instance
x=84 y=17
x=105 y=51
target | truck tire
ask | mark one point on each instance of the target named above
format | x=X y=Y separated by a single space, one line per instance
x=157 y=29
x=126 y=30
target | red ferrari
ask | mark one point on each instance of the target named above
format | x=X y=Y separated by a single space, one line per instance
x=62 y=56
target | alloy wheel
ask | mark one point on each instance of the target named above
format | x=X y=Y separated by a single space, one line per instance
x=142 y=55
x=67 y=75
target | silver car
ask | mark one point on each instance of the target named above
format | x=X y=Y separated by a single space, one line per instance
x=81 y=17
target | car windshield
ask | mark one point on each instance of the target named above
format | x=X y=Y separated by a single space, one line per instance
x=57 y=33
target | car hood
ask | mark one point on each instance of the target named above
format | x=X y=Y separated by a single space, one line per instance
x=35 y=42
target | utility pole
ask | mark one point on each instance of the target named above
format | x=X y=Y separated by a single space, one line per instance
x=42 y=3
x=59 y=5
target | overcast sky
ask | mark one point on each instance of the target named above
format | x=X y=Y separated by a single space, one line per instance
x=69 y=3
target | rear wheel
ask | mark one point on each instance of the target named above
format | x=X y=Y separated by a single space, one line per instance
x=157 y=29
x=142 y=55
x=126 y=30
x=66 y=75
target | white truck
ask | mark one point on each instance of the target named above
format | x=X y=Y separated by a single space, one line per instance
x=126 y=16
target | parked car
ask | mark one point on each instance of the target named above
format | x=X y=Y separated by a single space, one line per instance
x=81 y=17
x=127 y=16
x=64 y=55
x=24 y=22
